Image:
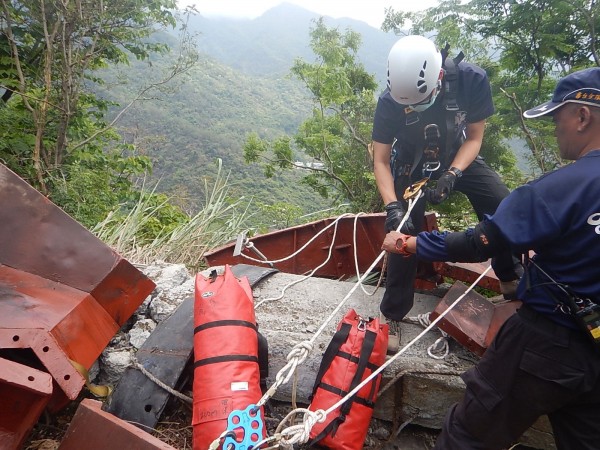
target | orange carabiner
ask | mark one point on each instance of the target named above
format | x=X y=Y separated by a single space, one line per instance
x=413 y=190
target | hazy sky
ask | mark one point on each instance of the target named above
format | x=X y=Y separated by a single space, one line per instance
x=370 y=11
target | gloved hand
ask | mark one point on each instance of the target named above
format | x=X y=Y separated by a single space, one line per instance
x=395 y=213
x=442 y=190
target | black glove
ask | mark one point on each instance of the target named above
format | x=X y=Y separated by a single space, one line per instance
x=442 y=190
x=395 y=213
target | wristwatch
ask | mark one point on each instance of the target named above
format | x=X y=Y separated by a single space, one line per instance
x=456 y=171
x=401 y=246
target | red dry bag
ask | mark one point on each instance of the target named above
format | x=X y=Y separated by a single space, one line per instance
x=356 y=350
x=226 y=369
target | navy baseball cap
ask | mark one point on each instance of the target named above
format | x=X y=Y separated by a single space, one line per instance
x=582 y=86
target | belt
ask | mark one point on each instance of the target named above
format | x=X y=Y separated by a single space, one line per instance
x=560 y=333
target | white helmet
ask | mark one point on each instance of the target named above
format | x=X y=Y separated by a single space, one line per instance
x=413 y=69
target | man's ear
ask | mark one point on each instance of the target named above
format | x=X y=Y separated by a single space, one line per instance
x=583 y=116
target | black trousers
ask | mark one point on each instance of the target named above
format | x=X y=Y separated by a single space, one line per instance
x=485 y=190
x=533 y=367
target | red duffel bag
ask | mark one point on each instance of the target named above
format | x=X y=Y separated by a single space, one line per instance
x=357 y=349
x=226 y=364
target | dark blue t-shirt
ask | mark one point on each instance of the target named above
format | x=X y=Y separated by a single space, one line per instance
x=474 y=100
x=558 y=217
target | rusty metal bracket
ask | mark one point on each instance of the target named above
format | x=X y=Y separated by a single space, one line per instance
x=25 y=392
x=63 y=295
x=94 y=429
x=475 y=320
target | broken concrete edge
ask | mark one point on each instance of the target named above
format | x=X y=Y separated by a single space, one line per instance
x=95 y=429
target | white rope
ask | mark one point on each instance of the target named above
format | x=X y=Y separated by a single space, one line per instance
x=311 y=273
x=158 y=382
x=441 y=347
x=273 y=261
x=217 y=442
x=370 y=294
x=301 y=351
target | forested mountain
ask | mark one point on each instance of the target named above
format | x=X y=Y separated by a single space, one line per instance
x=268 y=45
x=241 y=84
x=205 y=116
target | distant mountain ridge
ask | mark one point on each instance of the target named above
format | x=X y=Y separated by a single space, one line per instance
x=268 y=45
x=240 y=85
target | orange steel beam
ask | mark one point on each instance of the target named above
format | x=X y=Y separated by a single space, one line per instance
x=469 y=272
x=63 y=292
x=94 y=429
x=25 y=393
x=58 y=323
x=474 y=321
x=369 y=230
x=39 y=238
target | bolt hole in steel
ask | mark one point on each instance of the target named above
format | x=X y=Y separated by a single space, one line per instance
x=67 y=377
x=46 y=349
x=30 y=378
x=16 y=338
x=148 y=408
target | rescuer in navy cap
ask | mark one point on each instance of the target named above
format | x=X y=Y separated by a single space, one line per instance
x=545 y=359
x=579 y=87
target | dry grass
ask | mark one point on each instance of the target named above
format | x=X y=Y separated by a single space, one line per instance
x=217 y=223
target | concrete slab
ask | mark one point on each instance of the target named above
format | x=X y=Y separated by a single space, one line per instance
x=416 y=387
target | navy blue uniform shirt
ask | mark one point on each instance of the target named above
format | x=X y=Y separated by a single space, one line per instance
x=558 y=217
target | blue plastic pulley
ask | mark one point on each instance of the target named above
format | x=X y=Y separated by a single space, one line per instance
x=247 y=421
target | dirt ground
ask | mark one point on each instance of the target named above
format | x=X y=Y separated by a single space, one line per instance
x=175 y=429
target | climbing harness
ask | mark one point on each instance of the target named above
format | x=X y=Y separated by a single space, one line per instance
x=431 y=150
x=432 y=155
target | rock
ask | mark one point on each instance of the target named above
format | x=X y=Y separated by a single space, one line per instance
x=140 y=332
x=113 y=363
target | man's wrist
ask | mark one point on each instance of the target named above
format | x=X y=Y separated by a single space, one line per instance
x=402 y=246
x=394 y=204
x=456 y=171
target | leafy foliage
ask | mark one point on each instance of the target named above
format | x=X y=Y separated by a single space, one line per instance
x=58 y=139
x=335 y=138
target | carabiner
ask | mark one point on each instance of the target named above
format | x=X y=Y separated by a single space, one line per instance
x=362 y=324
x=414 y=189
x=431 y=166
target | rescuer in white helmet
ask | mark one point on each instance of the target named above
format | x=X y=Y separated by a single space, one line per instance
x=430 y=122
